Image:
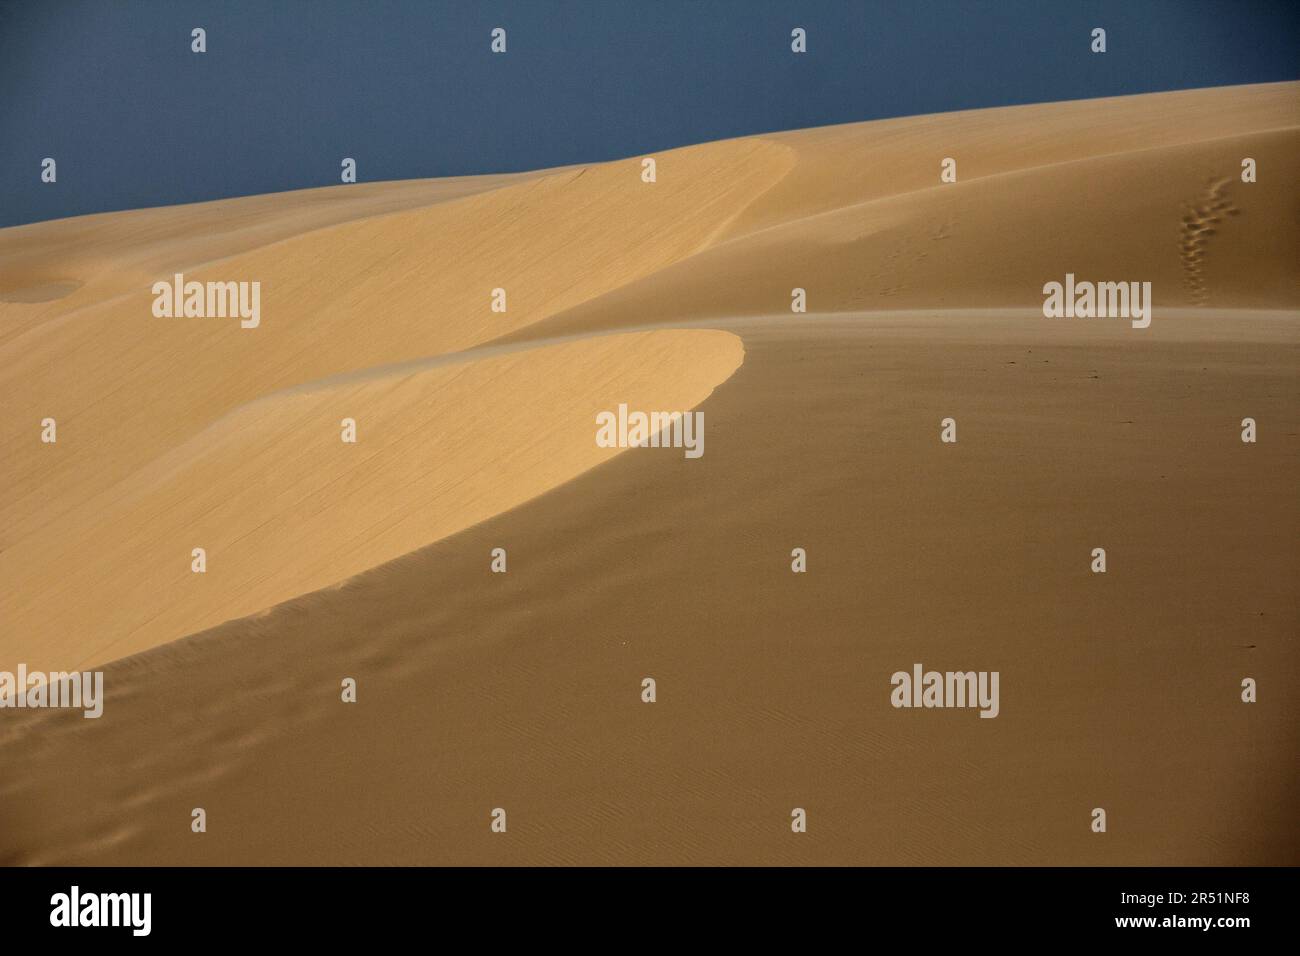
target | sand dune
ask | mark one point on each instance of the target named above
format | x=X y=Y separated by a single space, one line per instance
x=277 y=508
x=479 y=690
x=1105 y=188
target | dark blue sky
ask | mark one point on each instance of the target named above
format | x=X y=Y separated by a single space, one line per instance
x=110 y=89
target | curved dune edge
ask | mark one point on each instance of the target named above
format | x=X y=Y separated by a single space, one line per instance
x=284 y=507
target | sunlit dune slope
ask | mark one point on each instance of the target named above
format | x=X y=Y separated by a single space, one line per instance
x=378 y=288
x=282 y=506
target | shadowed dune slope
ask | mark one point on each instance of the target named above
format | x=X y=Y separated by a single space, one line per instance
x=475 y=430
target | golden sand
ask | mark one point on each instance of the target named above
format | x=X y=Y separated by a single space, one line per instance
x=521 y=690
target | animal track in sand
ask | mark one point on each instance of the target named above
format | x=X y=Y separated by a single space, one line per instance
x=1200 y=220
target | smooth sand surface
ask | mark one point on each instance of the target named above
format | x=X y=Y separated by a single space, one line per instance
x=476 y=430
